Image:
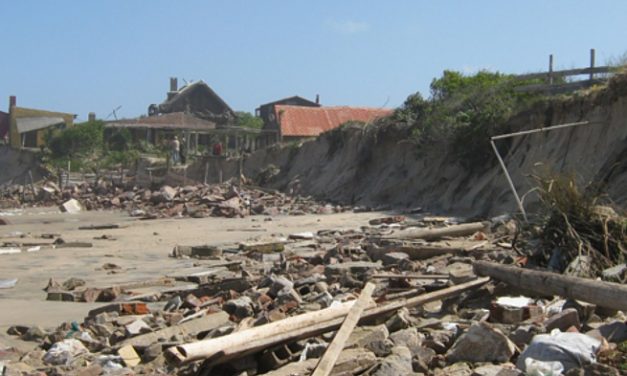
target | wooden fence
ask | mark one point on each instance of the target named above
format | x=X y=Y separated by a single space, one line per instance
x=554 y=80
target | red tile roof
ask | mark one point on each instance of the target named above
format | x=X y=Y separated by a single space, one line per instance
x=298 y=121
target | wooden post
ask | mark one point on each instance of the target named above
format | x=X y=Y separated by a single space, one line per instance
x=240 y=169
x=326 y=363
x=32 y=184
x=551 y=69
x=604 y=294
x=206 y=171
x=220 y=169
x=188 y=140
x=592 y=58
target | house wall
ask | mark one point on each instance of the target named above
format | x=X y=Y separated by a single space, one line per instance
x=4 y=124
x=20 y=112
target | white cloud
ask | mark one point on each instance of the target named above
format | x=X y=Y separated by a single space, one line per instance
x=349 y=26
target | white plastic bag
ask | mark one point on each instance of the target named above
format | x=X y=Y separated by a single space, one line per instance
x=64 y=352
x=571 y=350
x=543 y=368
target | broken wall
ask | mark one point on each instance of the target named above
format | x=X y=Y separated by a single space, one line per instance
x=15 y=166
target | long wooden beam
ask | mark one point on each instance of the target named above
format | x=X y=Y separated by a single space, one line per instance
x=465 y=229
x=605 y=294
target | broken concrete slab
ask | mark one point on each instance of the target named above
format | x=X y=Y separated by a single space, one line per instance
x=189 y=328
x=138 y=326
x=350 y=362
x=362 y=336
x=399 y=362
x=481 y=343
x=129 y=356
x=563 y=320
x=263 y=246
x=71 y=206
x=132 y=308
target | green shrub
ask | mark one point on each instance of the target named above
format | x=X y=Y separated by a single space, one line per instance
x=119 y=140
x=81 y=139
x=464 y=111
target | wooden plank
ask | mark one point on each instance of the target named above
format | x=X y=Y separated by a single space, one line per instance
x=410 y=276
x=326 y=363
x=109 y=226
x=604 y=294
x=565 y=72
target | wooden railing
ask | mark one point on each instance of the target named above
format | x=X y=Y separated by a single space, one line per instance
x=554 y=81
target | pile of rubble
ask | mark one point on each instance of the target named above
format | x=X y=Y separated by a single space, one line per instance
x=397 y=297
x=196 y=201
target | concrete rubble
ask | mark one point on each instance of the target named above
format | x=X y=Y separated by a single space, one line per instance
x=194 y=200
x=475 y=327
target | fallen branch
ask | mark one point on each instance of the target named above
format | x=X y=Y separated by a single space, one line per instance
x=604 y=294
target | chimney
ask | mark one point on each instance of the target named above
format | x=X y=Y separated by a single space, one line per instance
x=174 y=87
x=91 y=117
x=317 y=98
x=12 y=101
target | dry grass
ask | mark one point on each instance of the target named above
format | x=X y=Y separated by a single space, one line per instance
x=575 y=222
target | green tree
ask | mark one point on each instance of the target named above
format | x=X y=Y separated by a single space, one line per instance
x=248 y=120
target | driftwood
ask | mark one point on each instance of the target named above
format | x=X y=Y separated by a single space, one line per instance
x=326 y=363
x=249 y=341
x=422 y=251
x=101 y=227
x=410 y=276
x=465 y=229
x=604 y=294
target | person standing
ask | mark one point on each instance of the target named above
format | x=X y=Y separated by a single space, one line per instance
x=183 y=153
x=174 y=147
x=217 y=149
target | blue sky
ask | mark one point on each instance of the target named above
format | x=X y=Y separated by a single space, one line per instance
x=81 y=56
